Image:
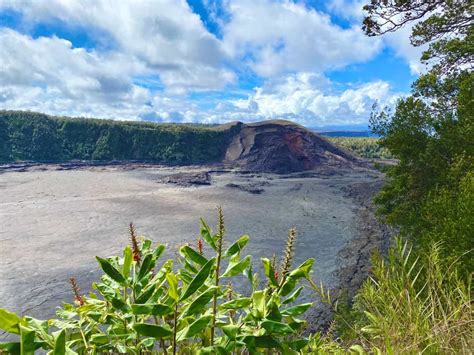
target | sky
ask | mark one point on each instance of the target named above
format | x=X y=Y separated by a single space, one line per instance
x=201 y=61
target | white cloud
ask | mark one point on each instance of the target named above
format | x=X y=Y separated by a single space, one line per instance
x=311 y=100
x=165 y=35
x=280 y=37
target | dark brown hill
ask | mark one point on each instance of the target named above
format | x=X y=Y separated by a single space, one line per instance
x=280 y=146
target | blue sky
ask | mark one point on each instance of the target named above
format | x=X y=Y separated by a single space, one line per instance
x=203 y=61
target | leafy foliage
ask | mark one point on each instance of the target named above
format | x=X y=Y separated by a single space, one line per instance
x=368 y=148
x=446 y=25
x=431 y=132
x=415 y=304
x=142 y=305
x=39 y=137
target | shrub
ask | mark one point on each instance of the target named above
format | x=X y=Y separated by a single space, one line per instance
x=141 y=307
x=414 y=304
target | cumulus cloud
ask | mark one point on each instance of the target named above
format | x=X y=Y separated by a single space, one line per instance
x=312 y=100
x=282 y=36
x=165 y=35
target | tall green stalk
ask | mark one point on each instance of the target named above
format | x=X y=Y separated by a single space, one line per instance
x=219 y=243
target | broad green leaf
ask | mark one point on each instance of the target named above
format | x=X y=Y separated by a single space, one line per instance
x=288 y=286
x=152 y=309
x=127 y=261
x=200 y=303
x=293 y=296
x=10 y=348
x=191 y=254
x=145 y=294
x=10 y=322
x=237 y=268
x=276 y=327
x=59 y=342
x=266 y=342
x=99 y=339
x=194 y=328
x=111 y=271
x=147 y=264
x=238 y=303
x=236 y=247
x=119 y=304
x=258 y=299
x=303 y=270
x=206 y=234
x=213 y=350
x=231 y=330
x=298 y=344
x=173 y=286
x=158 y=251
x=199 y=279
x=269 y=271
x=27 y=340
x=152 y=330
x=296 y=310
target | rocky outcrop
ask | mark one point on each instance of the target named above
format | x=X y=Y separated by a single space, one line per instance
x=282 y=147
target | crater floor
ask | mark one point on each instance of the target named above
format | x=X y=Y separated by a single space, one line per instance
x=53 y=222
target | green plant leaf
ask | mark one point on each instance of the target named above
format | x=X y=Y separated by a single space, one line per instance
x=231 y=330
x=293 y=296
x=145 y=294
x=200 y=303
x=288 y=286
x=216 y=349
x=269 y=272
x=10 y=348
x=191 y=254
x=206 y=234
x=276 y=327
x=236 y=247
x=237 y=268
x=10 y=322
x=265 y=341
x=298 y=344
x=258 y=299
x=127 y=261
x=147 y=264
x=111 y=271
x=296 y=310
x=194 y=328
x=199 y=279
x=59 y=342
x=27 y=340
x=238 y=303
x=303 y=270
x=152 y=309
x=119 y=304
x=152 y=330
x=159 y=250
x=173 y=286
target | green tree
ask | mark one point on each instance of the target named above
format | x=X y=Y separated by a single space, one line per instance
x=431 y=132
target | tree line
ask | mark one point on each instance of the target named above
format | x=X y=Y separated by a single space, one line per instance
x=31 y=136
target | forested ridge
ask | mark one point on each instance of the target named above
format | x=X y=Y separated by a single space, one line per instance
x=32 y=136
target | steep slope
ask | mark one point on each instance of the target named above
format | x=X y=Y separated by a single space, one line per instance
x=280 y=146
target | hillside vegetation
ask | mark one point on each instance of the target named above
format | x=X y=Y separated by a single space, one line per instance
x=362 y=147
x=39 y=137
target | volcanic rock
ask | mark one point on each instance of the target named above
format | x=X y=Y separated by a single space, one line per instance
x=282 y=147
